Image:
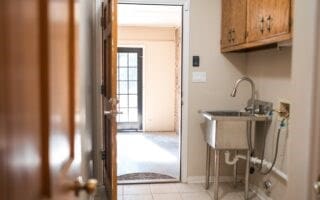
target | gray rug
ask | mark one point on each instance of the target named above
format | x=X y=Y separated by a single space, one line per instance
x=143 y=176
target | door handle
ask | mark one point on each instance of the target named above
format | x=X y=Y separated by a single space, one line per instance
x=89 y=187
x=112 y=112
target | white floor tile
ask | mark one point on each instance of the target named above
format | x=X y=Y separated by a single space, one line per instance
x=171 y=196
x=136 y=189
x=138 y=197
x=163 y=188
x=196 y=196
x=183 y=187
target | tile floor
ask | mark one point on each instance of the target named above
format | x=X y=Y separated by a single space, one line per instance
x=180 y=191
x=141 y=152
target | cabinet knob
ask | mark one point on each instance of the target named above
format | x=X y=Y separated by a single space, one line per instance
x=229 y=35
x=261 y=20
x=269 y=23
x=233 y=35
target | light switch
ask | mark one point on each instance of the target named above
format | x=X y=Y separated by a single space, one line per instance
x=199 y=77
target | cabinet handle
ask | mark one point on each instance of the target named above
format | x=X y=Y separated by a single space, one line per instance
x=233 y=35
x=262 y=25
x=269 y=23
x=230 y=35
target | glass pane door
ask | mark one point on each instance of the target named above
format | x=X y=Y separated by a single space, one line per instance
x=130 y=88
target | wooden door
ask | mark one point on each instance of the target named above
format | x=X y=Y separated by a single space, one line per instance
x=39 y=153
x=233 y=26
x=255 y=20
x=226 y=23
x=267 y=18
x=109 y=70
x=20 y=100
x=238 y=21
x=277 y=17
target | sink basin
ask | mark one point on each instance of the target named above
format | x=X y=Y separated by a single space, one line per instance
x=228 y=129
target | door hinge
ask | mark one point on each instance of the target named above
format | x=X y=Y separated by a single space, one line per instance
x=102 y=89
x=103 y=22
x=103 y=154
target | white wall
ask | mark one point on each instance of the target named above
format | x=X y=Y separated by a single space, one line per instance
x=271 y=72
x=158 y=73
x=222 y=71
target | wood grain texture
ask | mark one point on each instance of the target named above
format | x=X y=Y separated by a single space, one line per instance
x=226 y=23
x=20 y=114
x=267 y=22
x=109 y=67
x=238 y=21
x=255 y=13
x=258 y=44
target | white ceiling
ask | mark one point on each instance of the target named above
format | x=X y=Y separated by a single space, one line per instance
x=149 y=15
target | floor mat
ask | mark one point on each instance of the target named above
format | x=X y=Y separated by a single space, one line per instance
x=143 y=176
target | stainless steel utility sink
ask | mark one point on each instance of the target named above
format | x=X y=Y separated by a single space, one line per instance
x=228 y=129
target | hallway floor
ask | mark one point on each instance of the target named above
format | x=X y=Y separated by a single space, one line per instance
x=148 y=153
x=180 y=191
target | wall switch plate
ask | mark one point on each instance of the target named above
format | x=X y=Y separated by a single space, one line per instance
x=199 y=77
x=195 y=61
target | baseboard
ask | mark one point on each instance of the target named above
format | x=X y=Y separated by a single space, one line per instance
x=201 y=179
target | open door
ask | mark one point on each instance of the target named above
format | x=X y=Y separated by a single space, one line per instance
x=40 y=151
x=109 y=94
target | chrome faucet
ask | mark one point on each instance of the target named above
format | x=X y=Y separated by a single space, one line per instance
x=235 y=88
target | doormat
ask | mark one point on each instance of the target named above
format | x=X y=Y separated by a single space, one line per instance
x=143 y=176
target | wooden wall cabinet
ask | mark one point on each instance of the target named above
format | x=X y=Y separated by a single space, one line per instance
x=248 y=24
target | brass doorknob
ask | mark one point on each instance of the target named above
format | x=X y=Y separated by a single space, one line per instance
x=90 y=186
x=316 y=187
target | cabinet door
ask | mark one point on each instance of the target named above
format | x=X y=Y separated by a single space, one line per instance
x=226 y=23
x=238 y=21
x=277 y=17
x=255 y=20
x=267 y=18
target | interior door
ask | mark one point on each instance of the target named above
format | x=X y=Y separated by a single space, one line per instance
x=39 y=137
x=109 y=94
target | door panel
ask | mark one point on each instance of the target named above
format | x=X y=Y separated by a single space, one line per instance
x=255 y=19
x=109 y=69
x=277 y=16
x=37 y=104
x=20 y=111
x=226 y=23
x=239 y=19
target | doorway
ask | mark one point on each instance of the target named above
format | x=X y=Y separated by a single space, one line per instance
x=149 y=93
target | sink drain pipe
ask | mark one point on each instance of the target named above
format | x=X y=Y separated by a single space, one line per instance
x=255 y=161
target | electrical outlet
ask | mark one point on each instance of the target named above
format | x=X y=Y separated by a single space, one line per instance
x=284 y=109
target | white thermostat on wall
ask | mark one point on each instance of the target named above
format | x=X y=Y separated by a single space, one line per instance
x=199 y=77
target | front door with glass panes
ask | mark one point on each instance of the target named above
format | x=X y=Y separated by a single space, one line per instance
x=130 y=88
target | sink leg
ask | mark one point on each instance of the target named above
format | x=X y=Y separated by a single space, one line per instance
x=216 y=174
x=235 y=166
x=208 y=166
x=246 y=189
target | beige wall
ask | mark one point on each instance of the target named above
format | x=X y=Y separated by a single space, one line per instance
x=279 y=75
x=271 y=72
x=158 y=74
x=222 y=71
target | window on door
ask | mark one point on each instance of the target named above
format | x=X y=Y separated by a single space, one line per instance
x=129 y=88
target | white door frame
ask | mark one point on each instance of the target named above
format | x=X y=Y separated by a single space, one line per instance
x=185 y=75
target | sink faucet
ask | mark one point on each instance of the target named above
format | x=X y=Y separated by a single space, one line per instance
x=236 y=85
